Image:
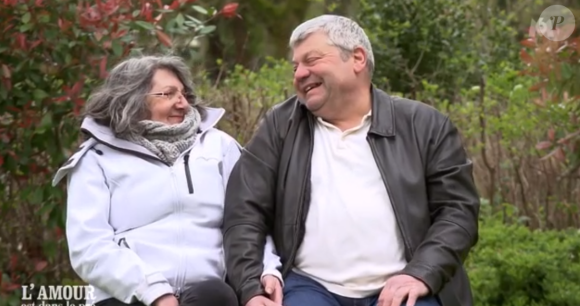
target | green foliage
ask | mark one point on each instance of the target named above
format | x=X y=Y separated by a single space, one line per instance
x=247 y=94
x=418 y=40
x=514 y=266
x=441 y=42
x=501 y=127
x=504 y=100
x=555 y=67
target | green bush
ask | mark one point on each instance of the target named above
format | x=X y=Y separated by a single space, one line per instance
x=247 y=94
x=514 y=266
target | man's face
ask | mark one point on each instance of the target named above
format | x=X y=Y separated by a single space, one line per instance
x=320 y=73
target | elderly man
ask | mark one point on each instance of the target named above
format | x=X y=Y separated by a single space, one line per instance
x=370 y=198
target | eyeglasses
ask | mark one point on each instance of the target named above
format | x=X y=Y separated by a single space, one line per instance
x=172 y=93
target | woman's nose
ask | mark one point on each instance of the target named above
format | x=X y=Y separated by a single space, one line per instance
x=181 y=101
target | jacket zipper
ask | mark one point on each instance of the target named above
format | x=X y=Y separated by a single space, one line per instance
x=384 y=177
x=188 y=173
x=124 y=242
x=177 y=209
x=301 y=214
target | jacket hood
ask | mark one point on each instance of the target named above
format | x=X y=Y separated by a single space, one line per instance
x=105 y=135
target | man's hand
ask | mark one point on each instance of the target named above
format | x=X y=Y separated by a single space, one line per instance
x=273 y=288
x=400 y=287
x=259 y=300
x=166 y=300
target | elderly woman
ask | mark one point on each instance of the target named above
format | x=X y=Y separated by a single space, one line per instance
x=146 y=191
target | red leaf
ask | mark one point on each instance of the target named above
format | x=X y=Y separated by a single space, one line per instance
x=118 y=34
x=10 y=287
x=1 y=163
x=542 y=145
x=9 y=27
x=539 y=102
x=39 y=266
x=103 y=68
x=58 y=232
x=527 y=58
x=21 y=39
x=528 y=43
x=229 y=10
x=63 y=24
x=60 y=99
x=6 y=71
x=538 y=86
x=545 y=95
x=99 y=34
x=551 y=134
x=163 y=38
x=91 y=16
x=147 y=12
x=35 y=44
x=13 y=261
x=560 y=155
x=545 y=68
x=7 y=84
x=568 y=137
x=76 y=87
x=557 y=153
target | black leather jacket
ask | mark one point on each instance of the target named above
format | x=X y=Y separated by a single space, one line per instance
x=426 y=172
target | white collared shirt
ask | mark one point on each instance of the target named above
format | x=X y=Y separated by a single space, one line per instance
x=352 y=243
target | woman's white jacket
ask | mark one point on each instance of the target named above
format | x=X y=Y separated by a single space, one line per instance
x=138 y=228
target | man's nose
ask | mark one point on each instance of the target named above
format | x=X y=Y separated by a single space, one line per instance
x=300 y=74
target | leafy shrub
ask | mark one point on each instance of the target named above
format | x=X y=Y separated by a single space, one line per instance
x=247 y=94
x=555 y=66
x=501 y=127
x=515 y=266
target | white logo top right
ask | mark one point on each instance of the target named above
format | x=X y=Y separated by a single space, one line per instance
x=556 y=23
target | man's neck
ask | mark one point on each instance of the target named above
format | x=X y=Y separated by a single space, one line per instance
x=350 y=116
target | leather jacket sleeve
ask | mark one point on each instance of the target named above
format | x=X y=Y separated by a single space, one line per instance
x=454 y=208
x=249 y=208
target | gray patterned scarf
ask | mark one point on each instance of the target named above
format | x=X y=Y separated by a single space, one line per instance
x=168 y=141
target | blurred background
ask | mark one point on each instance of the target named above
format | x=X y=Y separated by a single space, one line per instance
x=514 y=95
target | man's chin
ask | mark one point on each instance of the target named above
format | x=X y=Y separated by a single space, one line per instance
x=314 y=106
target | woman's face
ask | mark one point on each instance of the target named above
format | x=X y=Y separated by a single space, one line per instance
x=167 y=102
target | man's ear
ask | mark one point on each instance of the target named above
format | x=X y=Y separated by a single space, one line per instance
x=360 y=59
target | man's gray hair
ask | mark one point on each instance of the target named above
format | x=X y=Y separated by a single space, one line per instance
x=121 y=100
x=342 y=32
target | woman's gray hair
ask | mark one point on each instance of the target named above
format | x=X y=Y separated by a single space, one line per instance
x=121 y=101
x=342 y=32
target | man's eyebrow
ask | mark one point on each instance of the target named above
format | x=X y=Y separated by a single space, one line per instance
x=309 y=53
